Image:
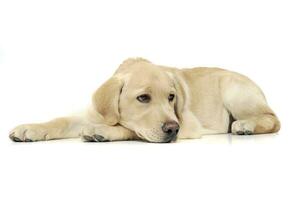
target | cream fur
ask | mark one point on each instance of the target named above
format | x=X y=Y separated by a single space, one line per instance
x=204 y=100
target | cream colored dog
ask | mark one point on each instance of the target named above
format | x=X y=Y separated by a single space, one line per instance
x=160 y=104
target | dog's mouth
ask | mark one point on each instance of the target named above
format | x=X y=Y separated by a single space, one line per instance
x=154 y=135
x=140 y=136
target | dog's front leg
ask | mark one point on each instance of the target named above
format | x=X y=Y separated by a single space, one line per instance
x=59 y=128
x=70 y=127
x=105 y=133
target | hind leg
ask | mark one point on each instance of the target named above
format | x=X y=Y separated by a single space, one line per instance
x=246 y=102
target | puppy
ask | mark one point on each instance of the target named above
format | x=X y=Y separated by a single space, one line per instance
x=159 y=104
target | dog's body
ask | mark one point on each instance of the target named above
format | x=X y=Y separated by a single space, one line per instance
x=159 y=104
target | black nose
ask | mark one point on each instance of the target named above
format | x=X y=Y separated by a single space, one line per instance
x=171 y=128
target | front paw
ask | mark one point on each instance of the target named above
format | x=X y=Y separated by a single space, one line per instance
x=27 y=133
x=91 y=135
x=94 y=138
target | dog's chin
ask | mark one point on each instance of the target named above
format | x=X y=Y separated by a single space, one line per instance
x=163 y=140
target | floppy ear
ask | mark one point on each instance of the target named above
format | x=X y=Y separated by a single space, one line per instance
x=106 y=100
x=180 y=97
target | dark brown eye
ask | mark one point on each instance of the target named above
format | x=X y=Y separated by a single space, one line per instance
x=171 y=97
x=145 y=98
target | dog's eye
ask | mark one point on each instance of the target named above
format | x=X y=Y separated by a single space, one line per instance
x=145 y=98
x=171 y=97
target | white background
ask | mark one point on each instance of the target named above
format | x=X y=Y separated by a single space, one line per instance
x=54 y=54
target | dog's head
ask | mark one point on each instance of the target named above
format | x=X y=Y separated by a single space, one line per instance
x=144 y=98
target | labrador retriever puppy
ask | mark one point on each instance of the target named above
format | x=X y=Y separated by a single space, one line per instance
x=159 y=104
